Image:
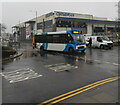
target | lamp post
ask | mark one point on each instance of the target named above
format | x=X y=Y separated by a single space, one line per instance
x=35 y=20
x=43 y=26
x=66 y=27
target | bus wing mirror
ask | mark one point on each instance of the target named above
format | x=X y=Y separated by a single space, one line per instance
x=72 y=42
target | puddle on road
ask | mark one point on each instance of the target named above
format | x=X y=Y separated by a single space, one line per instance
x=20 y=75
x=90 y=62
x=61 y=67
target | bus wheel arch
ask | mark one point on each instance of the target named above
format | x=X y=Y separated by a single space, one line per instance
x=41 y=48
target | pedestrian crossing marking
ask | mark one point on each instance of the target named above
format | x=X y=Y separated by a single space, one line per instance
x=20 y=75
x=61 y=67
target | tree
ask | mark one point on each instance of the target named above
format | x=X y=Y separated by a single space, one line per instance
x=119 y=16
x=3 y=28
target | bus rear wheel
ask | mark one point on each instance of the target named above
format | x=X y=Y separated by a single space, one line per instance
x=71 y=50
x=41 y=48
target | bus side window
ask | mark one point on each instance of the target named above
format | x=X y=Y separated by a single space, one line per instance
x=37 y=38
x=42 y=38
x=61 y=39
x=56 y=38
x=65 y=38
x=49 y=39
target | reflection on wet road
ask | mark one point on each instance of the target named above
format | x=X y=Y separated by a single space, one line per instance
x=92 y=55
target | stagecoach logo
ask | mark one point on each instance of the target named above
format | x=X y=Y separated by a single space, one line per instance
x=59 y=14
x=64 y=14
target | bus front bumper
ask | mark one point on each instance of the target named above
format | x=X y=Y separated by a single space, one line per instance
x=81 y=49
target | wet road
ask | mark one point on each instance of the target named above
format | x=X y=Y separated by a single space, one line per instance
x=35 y=77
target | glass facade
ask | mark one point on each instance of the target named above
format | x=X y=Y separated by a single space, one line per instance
x=67 y=23
x=45 y=24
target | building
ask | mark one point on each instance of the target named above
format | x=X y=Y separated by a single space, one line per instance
x=119 y=10
x=0 y=29
x=119 y=18
x=59 y=21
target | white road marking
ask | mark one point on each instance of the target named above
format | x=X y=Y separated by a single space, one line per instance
x=21 y=70
x=54 y=64
x=115 y=64
x=20 y=75
x=61 y=67
x=97 y=60
x=106 y=62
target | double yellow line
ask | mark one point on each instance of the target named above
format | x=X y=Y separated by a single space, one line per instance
x=77 y=91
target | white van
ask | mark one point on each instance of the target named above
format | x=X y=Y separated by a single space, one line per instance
x=99 y=41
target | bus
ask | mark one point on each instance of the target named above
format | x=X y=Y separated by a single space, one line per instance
x=66 y=41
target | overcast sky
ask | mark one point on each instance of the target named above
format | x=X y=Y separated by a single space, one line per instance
x=15 y=12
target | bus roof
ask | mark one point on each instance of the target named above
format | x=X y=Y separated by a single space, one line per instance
x=59 y=32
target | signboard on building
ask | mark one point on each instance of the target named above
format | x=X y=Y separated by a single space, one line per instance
x=65 y=14
x=27 y=32
x=59 y=14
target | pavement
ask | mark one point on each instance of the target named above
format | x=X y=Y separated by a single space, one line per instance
x=0 y=90
x=0 y=79
x=12 y=57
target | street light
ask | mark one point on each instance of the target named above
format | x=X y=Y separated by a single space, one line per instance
x=36 y=20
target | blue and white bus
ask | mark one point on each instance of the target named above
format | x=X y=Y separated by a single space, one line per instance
x=66 y=41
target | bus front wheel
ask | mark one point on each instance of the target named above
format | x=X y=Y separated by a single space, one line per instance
x=83 y=51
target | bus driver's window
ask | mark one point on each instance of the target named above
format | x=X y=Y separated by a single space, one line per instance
x=70 y=40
